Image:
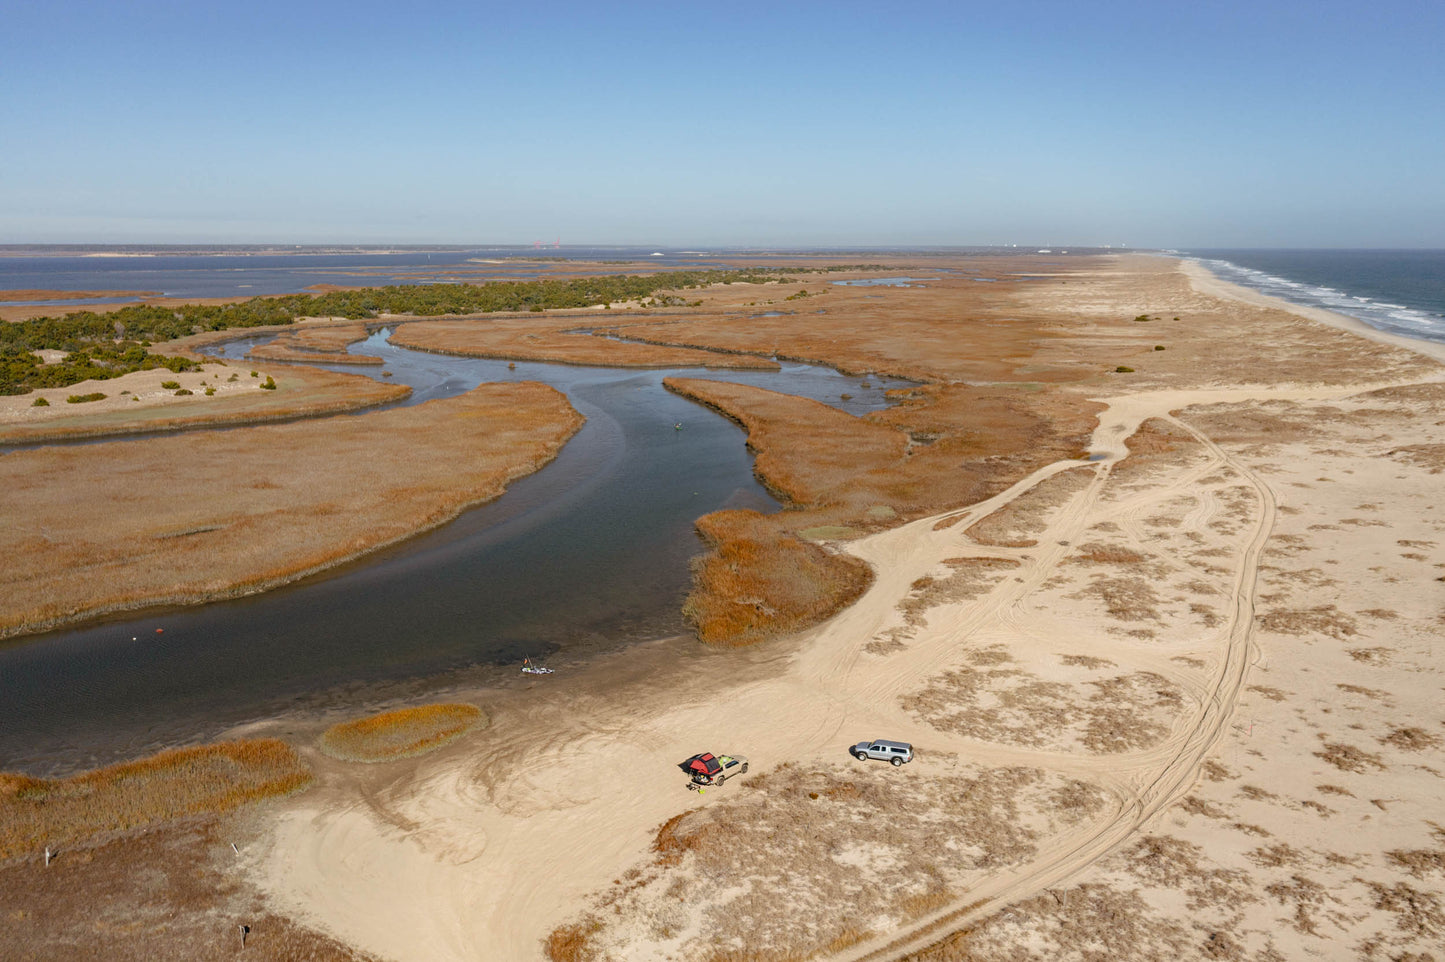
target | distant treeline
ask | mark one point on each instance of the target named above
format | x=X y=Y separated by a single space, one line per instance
x=108 y=345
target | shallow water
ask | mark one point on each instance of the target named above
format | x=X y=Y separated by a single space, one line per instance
x=587 y=555
x=885 y=282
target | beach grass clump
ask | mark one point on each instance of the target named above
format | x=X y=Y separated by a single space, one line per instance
x=403 y=733
x=85 y=398
x=170 y=385
x=40 y=402
x=40 y=812
x=761 y=582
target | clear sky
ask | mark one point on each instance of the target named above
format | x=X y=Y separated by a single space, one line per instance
x=1150 y=123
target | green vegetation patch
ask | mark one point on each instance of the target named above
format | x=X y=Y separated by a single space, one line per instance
x=85 y=398
x=112 y=344
x=403 y=733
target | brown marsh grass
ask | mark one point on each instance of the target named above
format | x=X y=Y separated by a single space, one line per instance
x=836 y=470
x=326 y=344
x=403 y=733
x=108 y=527
x=949 y=329
x=807 y=452
x=147 y=896
x=760 y=582
x=559 y=339
x=40 y=812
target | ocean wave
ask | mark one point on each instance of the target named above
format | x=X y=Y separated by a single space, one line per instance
x=1381 y=315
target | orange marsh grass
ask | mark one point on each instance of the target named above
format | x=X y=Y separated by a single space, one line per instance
x=40 y=812
x=403 y=733
x=760 y=582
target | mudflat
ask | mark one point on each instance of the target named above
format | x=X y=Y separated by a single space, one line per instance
x=1154 y=606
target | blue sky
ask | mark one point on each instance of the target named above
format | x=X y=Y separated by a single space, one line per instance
x=1153 y=124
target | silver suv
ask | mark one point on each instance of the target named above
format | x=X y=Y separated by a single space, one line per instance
x=895 y=752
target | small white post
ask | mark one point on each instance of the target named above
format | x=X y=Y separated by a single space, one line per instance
x=235 y=849
x=245 y=929
x=47 y=856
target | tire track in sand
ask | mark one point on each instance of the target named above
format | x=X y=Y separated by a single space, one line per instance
x=1150 y=790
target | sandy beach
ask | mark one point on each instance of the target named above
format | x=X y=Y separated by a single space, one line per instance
x=1176 y=694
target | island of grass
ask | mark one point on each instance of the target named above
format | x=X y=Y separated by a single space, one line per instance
x=403 y=733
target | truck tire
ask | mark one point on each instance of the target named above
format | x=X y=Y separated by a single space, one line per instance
x=720 y=779
x=745 y=769
x=856 y=753
x=897 y=762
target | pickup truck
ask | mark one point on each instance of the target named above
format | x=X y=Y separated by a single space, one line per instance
x=895 y=752
x=710 y=769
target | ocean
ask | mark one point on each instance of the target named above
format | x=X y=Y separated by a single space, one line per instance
x=1399 y=291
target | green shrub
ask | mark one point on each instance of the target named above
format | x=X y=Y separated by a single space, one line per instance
x=1158 y=347
x=233 y=377
x=184 y=392
x=255 y=374
x=170 y=385
x=269 y=384
x=1121 y=369
x=82 y=398
x=1142 y=317
x=40 y=402
x=210 y=391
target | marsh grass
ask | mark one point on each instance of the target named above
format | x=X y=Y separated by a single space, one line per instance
x=272 y=503
x=833 y=469
x=759 y=582
x=325 y=344
x=558 y=340
x=40 y=812
x=403 y=733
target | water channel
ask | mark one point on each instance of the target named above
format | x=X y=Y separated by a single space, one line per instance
x=589 y=554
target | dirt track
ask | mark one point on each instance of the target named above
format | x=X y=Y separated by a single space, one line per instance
x=1142 y=784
